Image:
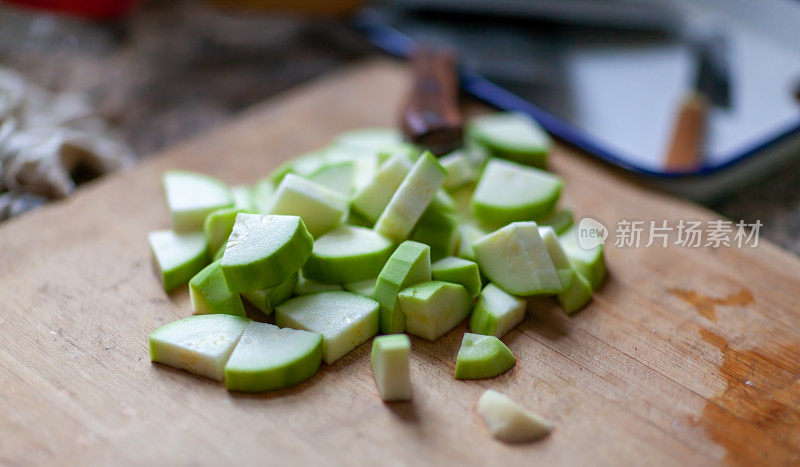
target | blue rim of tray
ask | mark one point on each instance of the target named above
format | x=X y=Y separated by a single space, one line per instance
x=400 y=45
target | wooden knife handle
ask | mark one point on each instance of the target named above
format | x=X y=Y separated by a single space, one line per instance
x=688 y=135
x=431 y=116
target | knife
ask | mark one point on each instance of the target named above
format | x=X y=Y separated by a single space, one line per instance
x=431 y=117
x=712 y=87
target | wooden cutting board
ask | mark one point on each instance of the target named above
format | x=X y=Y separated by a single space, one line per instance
x=686 y=356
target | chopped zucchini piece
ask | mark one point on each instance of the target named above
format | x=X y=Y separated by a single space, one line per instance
x=468 y=234
x=267 y=299
x=513 y=136
x=209 y=293
x=347 y=254
x=433 y=308
x=460 y=170
x=198 y=344
x=336 y=176
x=390 y=367
x=344 y=319
x=218 y=226
x=302 y=165
x=264 y=251
x=178 y=256
x=588 y=263
x=482 y=357
x=243 y=198
x=192 y=196
x=370 y=138
x=437 y=228
x=263 y=195
x=560 y=220
x=411 y=199
x=370 y=201
x=496 y=312
x=458 y=271
x=409 y=264
x=515 y=258
x=365 y=287
x=577 y=293
x=509 y=422
x=320 y=208
x=268 y=358
x=576 y=290
x=306 y=286
x=509 y=192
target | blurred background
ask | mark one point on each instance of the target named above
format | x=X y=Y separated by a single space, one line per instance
x=101 y=84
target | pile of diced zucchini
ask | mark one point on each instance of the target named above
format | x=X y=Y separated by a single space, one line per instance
x=369 y=235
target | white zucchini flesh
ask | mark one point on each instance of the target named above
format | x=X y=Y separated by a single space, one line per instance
x=338 y=176
x=516 y=259
x=458 y=271
x=590 y=263
x=344 y=319
x=218 y=226
x=496 y=312
x=390 y=369
x=557 y=255
x=243 y=197
x=191 y=196
x=365 y=163
x=267 y=299
x=365 y=287
x=460 y=170
x=209 y=293
x=306 y=286
x=320 y=208
x=263 y=195
x=411 y=198
x=409 y=264
x=468 y=234
x=433 y=308
x=371 y=199
x=370 y=138
x=508 y=421
x=178 y=256
x=198 y=344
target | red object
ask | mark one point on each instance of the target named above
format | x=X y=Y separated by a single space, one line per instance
x=95 y=9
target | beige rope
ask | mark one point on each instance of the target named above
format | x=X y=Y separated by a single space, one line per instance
x=44 y=138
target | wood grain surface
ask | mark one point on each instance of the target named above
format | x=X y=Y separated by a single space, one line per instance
x=686 y=356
